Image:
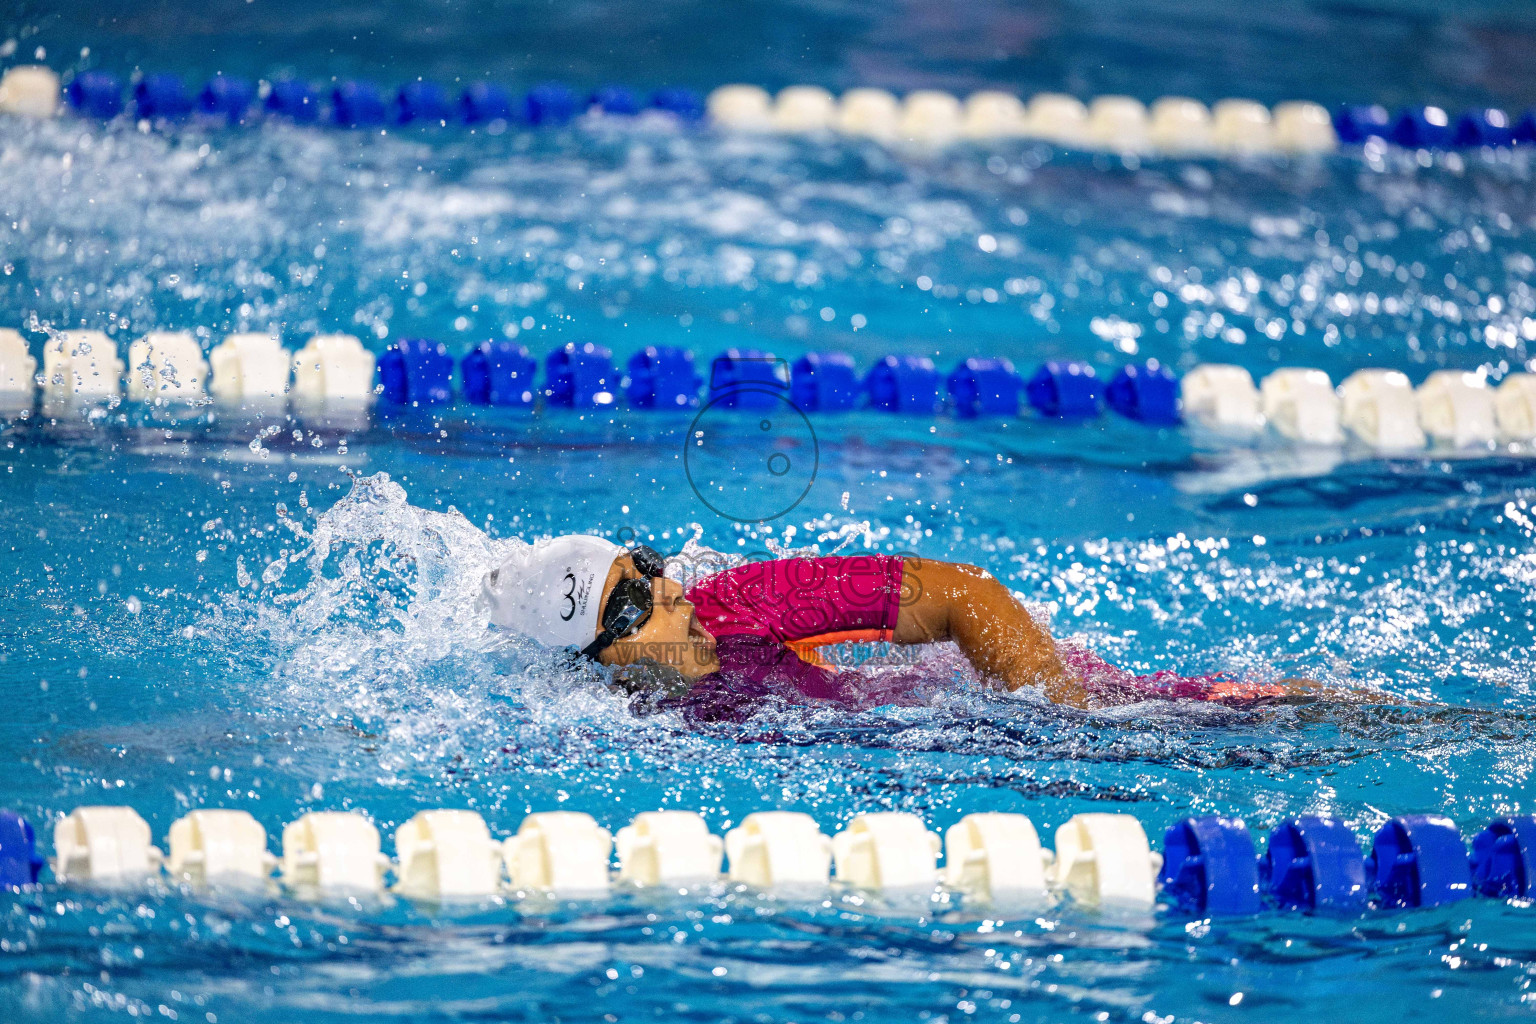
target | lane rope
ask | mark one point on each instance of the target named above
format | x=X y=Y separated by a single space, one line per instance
x=1208 y=866
x=1172 y=125
x=1379 y=408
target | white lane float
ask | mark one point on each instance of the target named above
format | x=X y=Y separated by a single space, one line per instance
x=1302 y=127
x=994 y=115
x=103 y=844
x=869 y=113
x=29 y=91
x=804 y=109
x=559 y=851
x=1242 y=126
x=82 y=364
x=1514 y=407
x=167 y=367
x=218 y=845
x=668 y=848
x=1301 y=405
x=772 y=848
x=1104 y=860
x=1057 y=117
x=887 y=851
x=1118 y=124
x=446 y=854
x=996 y=857
x=1456 y=408
x=333 y=850
x=741 y=108
x=930 y=118
x=18 y=371
x=250 y=366
x=331 y=367
x=1379 y=407
x=1222 y=397
x=1181 y=126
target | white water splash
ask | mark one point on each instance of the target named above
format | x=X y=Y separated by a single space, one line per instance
x=371 y=620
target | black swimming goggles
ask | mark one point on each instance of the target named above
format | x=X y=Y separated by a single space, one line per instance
x=629 y=606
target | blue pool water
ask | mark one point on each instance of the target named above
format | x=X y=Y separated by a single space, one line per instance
x=198 y=610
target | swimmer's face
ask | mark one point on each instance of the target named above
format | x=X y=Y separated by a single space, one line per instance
x=671 y=636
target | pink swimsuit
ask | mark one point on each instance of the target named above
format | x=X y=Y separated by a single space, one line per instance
x=768 y=618
x=766 y=615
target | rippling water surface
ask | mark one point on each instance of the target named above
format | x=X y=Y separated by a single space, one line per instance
x=202 y=611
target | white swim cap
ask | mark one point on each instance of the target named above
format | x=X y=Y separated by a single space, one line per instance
x=552 y=590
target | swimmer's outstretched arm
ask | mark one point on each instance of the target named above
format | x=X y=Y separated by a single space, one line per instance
x=952 y=601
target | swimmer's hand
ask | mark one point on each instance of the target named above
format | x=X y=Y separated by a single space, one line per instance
x=1301 y=691
x=1298 y=691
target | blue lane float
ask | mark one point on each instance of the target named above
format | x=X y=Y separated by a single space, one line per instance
x=358 y=104
x=227 y=98
x=549 y=103
x=1210 y=868
x=1489 y=127
x=97 y=94
x=499 y=373
x=1314 y=864
x=580 y=377
x=1428 y=127
x=423 y=102
x=662 y=377
x=1419 y=860
x=295 y=100
x=615 y=99
x=1065 y=390
x=1504 y=858
x=1422 y=128
x=162 y=96
x=20 y=863
x=746 y=378
x=1146 y=392
x=1525 y=129
x=904 y=384
x=416 y=371
x=1356 y=123
x=984 y=387
x=825 y=382
x=686 y=104
x=485 y=102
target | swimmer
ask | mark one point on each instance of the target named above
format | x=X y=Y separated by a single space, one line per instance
x=753 y=631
